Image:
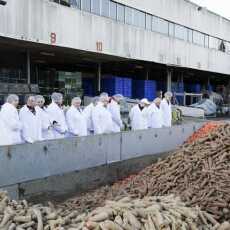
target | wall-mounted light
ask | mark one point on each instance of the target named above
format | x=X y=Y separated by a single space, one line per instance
x=2 y=2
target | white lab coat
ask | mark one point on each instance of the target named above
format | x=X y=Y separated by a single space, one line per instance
x=31 y=125
x=145 y=114
x=47 y=132
x=155 y=117
x=139 y=118
x=87 y=112
x=5 y=139
x=13 y=125
x=114 y=109
x=76 y=122
x=166 y=110
x=102 y=119
x=57 y=114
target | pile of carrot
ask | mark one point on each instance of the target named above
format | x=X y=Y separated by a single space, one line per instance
x=204 y=131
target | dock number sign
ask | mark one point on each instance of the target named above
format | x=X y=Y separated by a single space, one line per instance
x=99 y=46
x=53 y=38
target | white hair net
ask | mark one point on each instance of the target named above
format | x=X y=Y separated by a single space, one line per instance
x=145 y=101
x=168 y=94
x=12 y=98
x=118 y=97
x=30 y=97
x=157 y=100
x=76 y=99
x=95 y=100
x=56 y=97
x=39 y=98
x=104 y=97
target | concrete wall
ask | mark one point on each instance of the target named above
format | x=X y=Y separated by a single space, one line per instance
x=185 y=13
x=23 y=164
x=35 y=21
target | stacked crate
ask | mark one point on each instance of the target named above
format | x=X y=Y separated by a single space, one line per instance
x=127 y=87
x=117 y=85
x=144 y=89
x=161 y=86
x=196 y=88
x=88 y=87
x=112 y=85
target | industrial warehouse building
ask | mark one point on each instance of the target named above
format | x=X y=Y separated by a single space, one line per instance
x=133 y=47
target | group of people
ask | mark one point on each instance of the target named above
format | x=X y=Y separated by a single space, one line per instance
x=36 y=122
x=157 y=114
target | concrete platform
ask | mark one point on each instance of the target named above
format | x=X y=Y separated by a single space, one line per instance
x=71 y=165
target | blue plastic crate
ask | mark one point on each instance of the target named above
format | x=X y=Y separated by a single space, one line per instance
x=144 y=89
x=88 y=87
x=117 y=85
x=210 y=88
x=196 y=88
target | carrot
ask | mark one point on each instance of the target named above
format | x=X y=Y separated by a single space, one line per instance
x=203 y=131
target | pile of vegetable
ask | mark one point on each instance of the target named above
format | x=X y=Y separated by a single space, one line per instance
x=204 y=131
x=198 y=172
x=149 y=213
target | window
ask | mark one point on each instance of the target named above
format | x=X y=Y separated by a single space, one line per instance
x=128 y=15
x=95 y=4
x=214 y=43
x=198 y=38
x=105 y=8
x=228 y=47
x=190 y=35
x=120 y=13
x=181 y=32
x=160 y=25
x=75 y=3
x=113 y=10
x=85 y=5
x=139 y=18
x=206 y=41
x=171 y=29
x=148 y=23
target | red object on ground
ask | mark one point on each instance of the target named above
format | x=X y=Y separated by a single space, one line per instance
x=203 y=131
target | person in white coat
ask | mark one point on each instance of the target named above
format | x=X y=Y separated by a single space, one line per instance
x=10 y=117
x=101 y=117
x=166 y=109
x=139 y=115
x=5 y=139
x=87 y=112
x=155 y=114
x=114 y=109
x=31 y=123
x=57 y=116
x=75 y=119
x=47 y=132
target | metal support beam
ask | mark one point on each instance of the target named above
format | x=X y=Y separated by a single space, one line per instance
x=99 y=77
x=28 y=67
x=208 y=82
x=169 y=80
x=147 y=74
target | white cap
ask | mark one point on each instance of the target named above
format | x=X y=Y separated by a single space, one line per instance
x=145 y=101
